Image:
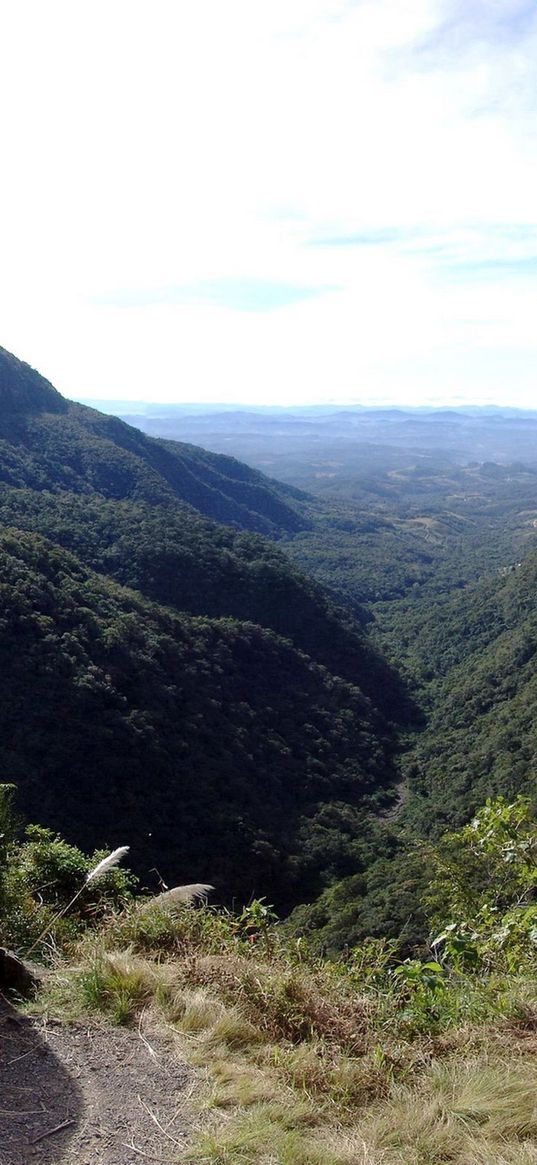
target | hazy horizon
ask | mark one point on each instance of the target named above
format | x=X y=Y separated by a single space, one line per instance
x=107 y=404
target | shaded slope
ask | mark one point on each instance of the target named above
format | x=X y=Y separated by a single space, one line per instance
x=176 y=557
x=23 y=390
x=226 y=720
x=208 y=745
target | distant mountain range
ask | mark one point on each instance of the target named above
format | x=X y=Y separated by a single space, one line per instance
x=121 y=407
x=313 y=448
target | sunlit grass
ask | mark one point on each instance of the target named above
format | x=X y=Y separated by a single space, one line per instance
x=307 y=1065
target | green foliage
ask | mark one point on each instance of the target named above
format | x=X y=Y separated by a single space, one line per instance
x=257 y=916
x=42 y=873
x=217 y=715
x=230 y=672
x=471 y=654
x=49 y=868
x=489 y=864
x=213 y=744
x=420 y=990
x=483 y=890
x=256 y=920
x=368 y=962
x=145 y=927
x=383 y=900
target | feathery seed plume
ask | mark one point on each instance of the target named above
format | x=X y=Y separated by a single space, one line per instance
x=97 y=872
x=185 y=895
x=178 y=896
x=106 y=864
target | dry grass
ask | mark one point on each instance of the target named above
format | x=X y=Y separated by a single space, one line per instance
x=199 y=1012
x=459 y=1112
x=306 y=1070
x=264 y=1134
x=288 y=1003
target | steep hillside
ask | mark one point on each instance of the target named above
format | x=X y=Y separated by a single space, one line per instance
x=475 y=658
x=124 y=504
x=211 y=746
x=471 y=661
x=174 y=556
x=23 y=390
x=48 y=442
x=221 y=712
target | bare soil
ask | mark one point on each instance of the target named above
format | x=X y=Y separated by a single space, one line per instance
x=73 y=1094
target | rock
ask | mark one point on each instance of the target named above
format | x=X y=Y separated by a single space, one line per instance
x=17 y=975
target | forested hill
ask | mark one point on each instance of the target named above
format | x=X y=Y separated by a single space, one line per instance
x=93 y=485
x=48 y=442
x=471 y=658
x=23 y=390
x=220 y=715
x=213 y=747
x=474 y=655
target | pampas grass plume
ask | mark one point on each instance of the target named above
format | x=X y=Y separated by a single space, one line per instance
x=184 y=895
x=101 y=868
x=106 y=864
x=178 y=896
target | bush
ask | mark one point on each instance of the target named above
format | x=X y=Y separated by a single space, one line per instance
x=483 y=894
x=40 y=875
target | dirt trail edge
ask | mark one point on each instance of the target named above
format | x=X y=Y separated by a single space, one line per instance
x=73 y=1094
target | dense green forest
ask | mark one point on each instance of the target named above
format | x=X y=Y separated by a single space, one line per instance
x=473 y=657
x=277 y=691
x=212 y=745
x=434 y=550
x=221 y=710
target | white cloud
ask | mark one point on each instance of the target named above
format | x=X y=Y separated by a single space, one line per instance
x=153 y=147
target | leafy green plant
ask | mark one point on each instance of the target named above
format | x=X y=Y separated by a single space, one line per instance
x=483 y=892
x=98 y=871
x=419 y=990
x=417 y=975
x=50 y=890
x=256 y=920
x=459 y=944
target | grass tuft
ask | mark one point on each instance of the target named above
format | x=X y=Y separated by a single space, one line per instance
x=455 y=1106
x=118 y=983
x=200 y=1012
x=233 y=1031
x=265 y=1133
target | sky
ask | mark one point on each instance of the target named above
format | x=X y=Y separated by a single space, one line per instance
x=271 y=201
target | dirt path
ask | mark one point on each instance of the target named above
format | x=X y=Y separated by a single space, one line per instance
x=79 y=1095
